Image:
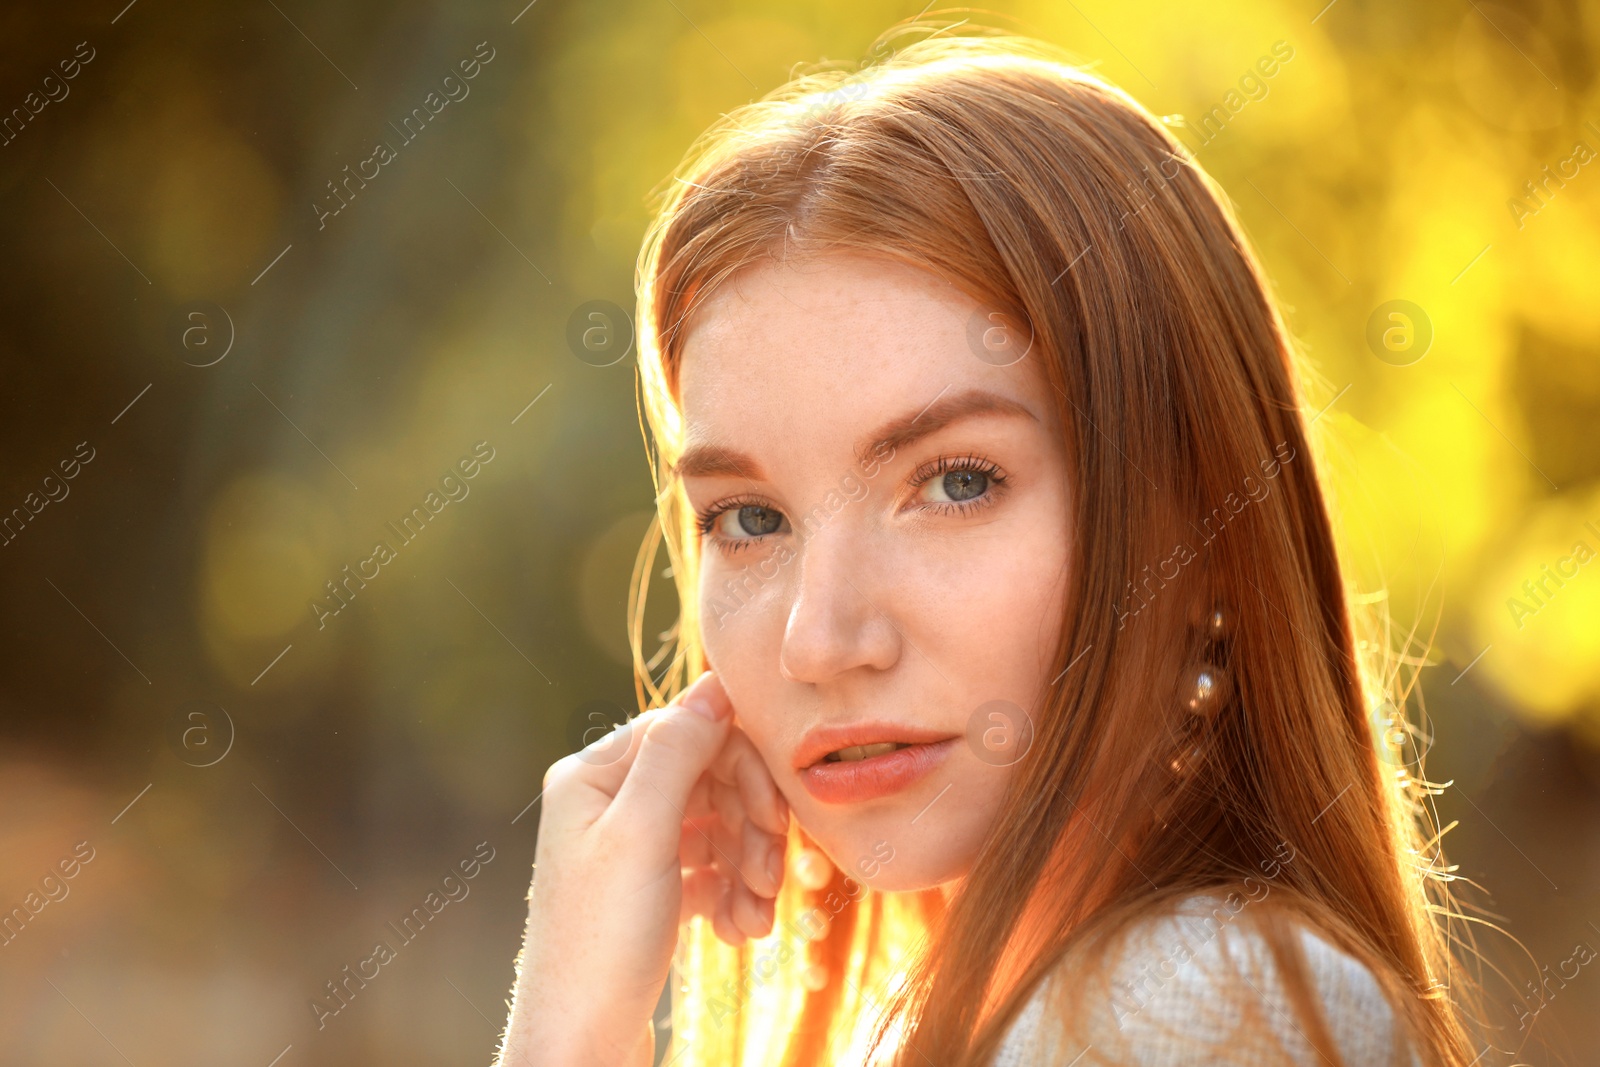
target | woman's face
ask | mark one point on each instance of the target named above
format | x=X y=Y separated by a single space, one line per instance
x=885 y=551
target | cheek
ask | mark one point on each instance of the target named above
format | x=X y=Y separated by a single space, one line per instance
x=741 y=628
x=996 y=604
x=1019 y=602
x=1029 y=587
x=739 y=596
x=737 y=613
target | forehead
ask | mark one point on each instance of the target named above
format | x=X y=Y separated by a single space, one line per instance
x=827 y=347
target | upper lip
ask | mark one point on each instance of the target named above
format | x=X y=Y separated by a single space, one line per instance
x=821 y=740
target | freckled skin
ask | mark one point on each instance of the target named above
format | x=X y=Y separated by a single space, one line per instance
x=899 y=606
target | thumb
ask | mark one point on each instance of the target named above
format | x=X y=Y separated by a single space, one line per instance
x=678 y=745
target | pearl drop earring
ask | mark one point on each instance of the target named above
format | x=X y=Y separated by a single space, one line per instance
x=1205 y=688
x=812 y=869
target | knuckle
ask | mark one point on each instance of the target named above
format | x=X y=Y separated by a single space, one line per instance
x=560 y=774
x=668 y=734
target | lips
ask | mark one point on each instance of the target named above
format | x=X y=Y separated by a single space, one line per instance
x=861 y=752
x=865 y=761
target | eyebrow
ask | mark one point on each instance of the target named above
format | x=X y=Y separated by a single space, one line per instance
x=902 y=431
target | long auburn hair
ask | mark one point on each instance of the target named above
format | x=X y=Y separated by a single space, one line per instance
x=1058 y=202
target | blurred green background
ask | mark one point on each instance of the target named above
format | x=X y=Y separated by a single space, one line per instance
x=265 y=788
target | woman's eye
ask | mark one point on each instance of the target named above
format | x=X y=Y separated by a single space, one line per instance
x=758 y=521
x=953 y=485
x=743 y=522
x=959 y=485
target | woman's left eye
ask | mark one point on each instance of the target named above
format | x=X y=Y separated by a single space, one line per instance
x=959 y=483
x=958 y=486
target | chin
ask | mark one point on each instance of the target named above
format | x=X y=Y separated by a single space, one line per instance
x=884 y=852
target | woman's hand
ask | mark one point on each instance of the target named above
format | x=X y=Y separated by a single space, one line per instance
x=671 y=815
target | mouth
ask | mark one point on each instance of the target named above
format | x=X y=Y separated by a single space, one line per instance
x=867 y=761
x=857 y=753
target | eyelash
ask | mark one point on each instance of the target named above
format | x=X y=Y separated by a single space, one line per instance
x=706 y=519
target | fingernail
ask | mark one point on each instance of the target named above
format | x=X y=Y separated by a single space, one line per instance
x=703 y=707
x=701 y=703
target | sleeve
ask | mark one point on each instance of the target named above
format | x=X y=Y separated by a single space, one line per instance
x=1191 y=988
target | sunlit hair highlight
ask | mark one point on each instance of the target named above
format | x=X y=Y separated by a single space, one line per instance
x=1057 y=201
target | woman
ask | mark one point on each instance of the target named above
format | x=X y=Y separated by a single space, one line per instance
x=1034 y=730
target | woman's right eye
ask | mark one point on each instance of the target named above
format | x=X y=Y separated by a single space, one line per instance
x=734 y=525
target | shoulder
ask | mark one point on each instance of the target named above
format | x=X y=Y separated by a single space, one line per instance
x=1202 y=983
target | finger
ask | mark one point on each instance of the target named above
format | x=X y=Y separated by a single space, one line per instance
x=700 y=805
x=762 y=861
x=751 y=914
x=757 y=847
x=726 y=803
x=727 y=848
x=722 y=918
x=703 y=888
x=606 y=764
x=694 y=844
x=740 y=764
x=748 y=853
x=675 y=748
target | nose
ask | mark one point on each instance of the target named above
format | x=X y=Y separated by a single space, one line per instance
x=842 y=617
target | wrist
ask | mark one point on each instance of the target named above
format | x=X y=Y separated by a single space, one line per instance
x=561 y=1040
x=556 y=1018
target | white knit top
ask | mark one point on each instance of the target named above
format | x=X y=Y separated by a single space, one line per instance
x=1176 y=994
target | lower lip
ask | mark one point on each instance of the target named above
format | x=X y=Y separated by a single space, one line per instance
x=853 y=781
